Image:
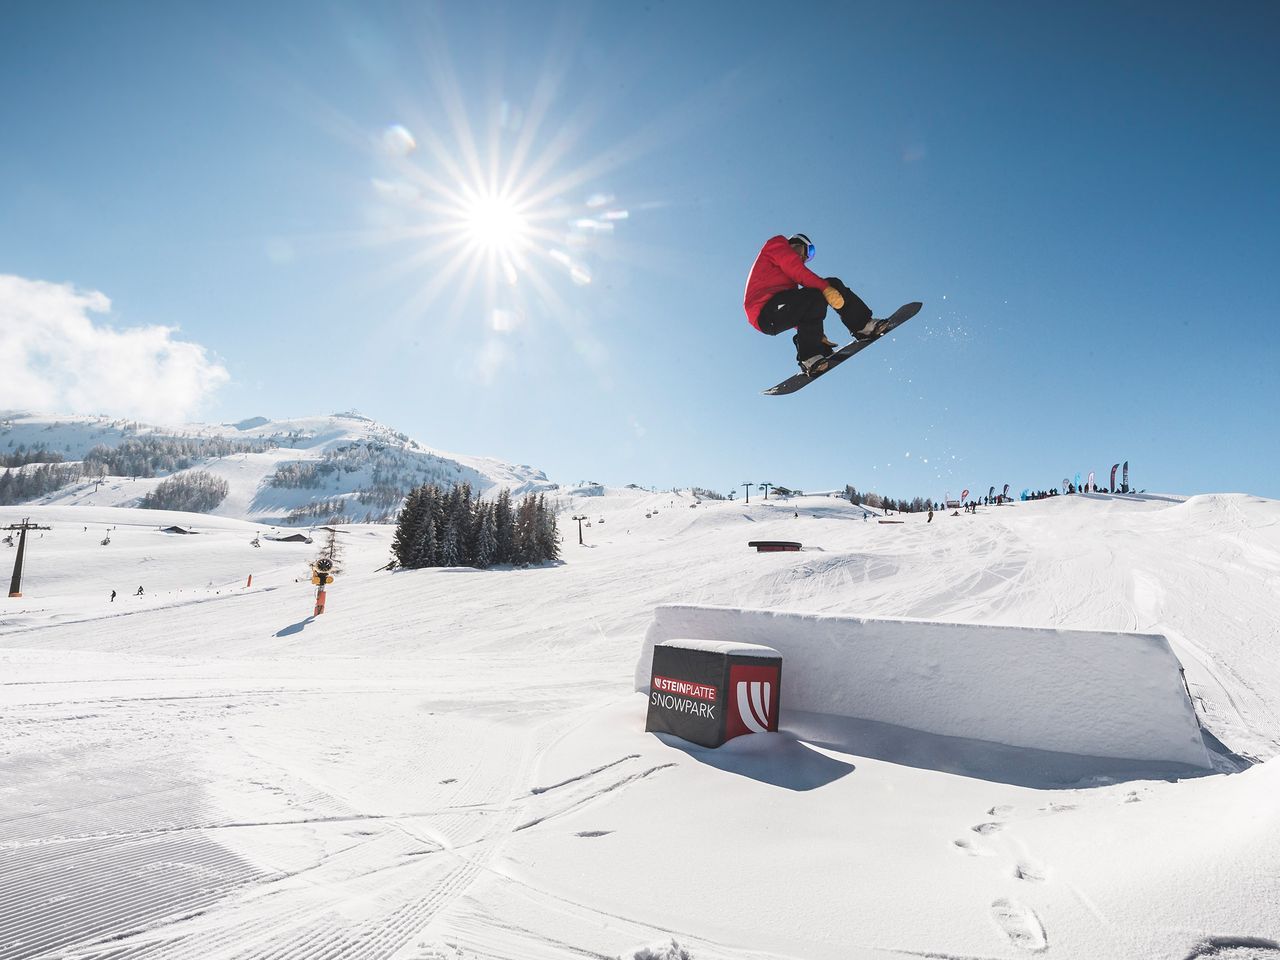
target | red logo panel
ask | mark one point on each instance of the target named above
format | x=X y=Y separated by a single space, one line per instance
x=753 y=698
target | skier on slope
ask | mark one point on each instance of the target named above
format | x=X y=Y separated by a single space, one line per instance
x=774 y=302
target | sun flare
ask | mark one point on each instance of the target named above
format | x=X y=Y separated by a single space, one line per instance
x=503 y=223
x=495 y=224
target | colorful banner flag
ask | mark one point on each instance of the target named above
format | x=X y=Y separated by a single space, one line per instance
x=1113 y=477
x=1125 y=478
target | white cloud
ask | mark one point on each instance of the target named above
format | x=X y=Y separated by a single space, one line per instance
x=54 y=357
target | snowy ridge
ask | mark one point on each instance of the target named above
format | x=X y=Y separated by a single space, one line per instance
x=355 y=468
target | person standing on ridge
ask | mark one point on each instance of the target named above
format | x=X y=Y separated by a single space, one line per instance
x=782 y=293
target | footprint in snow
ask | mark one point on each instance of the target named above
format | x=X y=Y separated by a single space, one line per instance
x=1058 y=807
x=1002 y=810
x=593 y=833
x=971 y=848
x=1236 y=948
x=1026 y=870
x=986 y=828
x=1020 y=924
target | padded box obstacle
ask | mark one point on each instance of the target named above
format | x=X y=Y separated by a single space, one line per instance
x=710 y=691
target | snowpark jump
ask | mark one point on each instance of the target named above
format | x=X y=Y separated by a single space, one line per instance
x=1059 y=691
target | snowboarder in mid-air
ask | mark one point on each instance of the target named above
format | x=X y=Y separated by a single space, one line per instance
x=782 y=293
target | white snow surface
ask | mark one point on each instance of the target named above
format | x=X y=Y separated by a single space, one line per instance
x=451 y=764
x=1095 y=693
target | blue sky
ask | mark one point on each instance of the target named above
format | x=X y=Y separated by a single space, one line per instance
x=1084 y=196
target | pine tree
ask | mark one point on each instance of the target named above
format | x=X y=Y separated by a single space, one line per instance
x=548 y=537
x=524 y=544
x=402 y=544
x=504 y=528
x=486 y=544
x=469 y=510
x=437 y=507
x=449 y=554
x=466 y=506
x=450 y=505
x=425 y=547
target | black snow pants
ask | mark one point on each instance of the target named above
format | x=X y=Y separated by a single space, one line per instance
x=804 y=308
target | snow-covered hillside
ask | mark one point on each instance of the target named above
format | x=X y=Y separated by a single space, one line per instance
x=451 y=764
x=296 y=471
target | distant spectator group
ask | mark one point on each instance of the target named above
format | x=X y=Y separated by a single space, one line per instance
x=1072 y=489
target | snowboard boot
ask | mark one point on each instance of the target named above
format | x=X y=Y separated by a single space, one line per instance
x=814 y=365
x=869 y=331
x=827 y=346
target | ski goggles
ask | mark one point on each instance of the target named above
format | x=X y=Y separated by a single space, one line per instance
x=800 y=238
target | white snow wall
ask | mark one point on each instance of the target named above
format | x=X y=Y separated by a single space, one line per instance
x=1094 y=694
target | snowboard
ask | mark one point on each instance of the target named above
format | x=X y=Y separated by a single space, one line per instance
x=796 y=381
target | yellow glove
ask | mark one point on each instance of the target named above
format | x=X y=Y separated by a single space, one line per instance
x=833 y=298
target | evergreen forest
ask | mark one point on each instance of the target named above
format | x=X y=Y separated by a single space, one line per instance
x=453 y=528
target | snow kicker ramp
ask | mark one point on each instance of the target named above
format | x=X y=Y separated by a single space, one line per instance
x=1118 y=695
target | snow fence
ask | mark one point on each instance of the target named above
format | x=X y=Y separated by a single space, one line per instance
x=1118 y=695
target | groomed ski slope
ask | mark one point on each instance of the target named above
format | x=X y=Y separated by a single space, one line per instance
x=452 y=764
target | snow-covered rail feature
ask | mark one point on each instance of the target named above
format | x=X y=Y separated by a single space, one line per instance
x=1118 y=695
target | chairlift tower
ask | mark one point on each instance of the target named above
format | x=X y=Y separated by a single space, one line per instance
x=15 y=585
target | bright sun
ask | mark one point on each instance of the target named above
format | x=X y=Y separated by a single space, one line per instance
x=495 y=224
x=504 y=229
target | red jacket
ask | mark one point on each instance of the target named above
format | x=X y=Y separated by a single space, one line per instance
x=777 y=268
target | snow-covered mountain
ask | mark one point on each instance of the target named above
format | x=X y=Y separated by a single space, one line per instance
x=343 y=467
